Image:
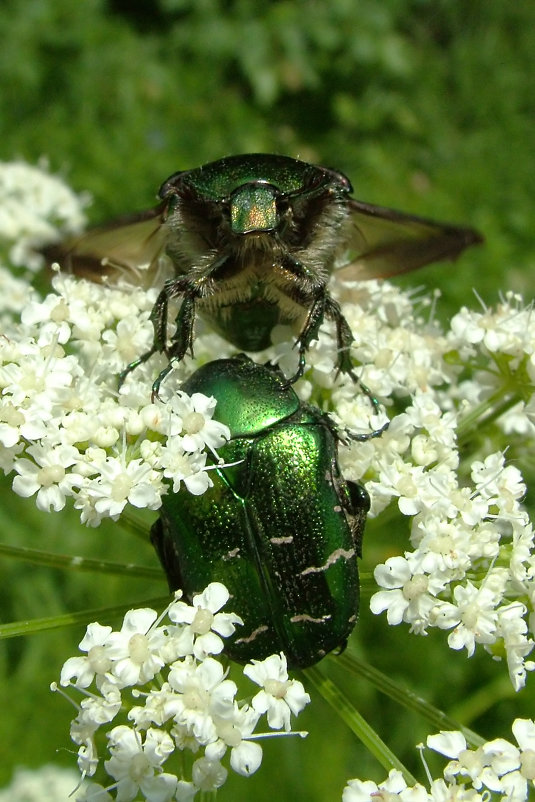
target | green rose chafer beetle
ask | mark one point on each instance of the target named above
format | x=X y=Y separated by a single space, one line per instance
x=252 y=242
x=281 y=527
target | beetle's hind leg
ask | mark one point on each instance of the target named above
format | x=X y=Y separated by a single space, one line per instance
x=166 y=554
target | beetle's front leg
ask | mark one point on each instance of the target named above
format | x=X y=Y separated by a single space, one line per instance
x=344 y=335
x=182 y=339
x=344 y=338
x=308 y=333
x=322 y=305
x=158 y=318
x=181 y=342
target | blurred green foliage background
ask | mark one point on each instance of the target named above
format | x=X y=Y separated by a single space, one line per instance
x=427 y=106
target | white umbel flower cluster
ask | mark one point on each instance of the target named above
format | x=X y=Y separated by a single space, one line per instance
x=470 y=569
x=48 y=783
x=498 y=766
x=37 y=208
x=395 y=788
x=462 y=414
x=65 y=430
x=497 y=769
x=156 y=692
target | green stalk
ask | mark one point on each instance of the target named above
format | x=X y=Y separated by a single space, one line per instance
x=17 y=628
x=356 y=723
x=405 y=697
x=70 y=562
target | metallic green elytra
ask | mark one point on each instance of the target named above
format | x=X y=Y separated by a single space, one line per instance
x=282 y=528
x=251 y=242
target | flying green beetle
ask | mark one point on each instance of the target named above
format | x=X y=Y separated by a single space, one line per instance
x=253 y=241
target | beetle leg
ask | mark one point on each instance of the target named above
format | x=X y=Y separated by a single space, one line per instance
x=158 y=318
x=325 y=305
x=356 y=503
x=181 y=342
x=182 y=339
x=133 y=365
x=166 y=554
x=308 y=333
x=344 y=335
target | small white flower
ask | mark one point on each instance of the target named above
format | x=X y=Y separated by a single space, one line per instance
x=53 y=313
x=280 y=696
x=135 y=764
x=514 y=631
x=203 y=619
x=497 y=765
x=131 y=338
x=203 y=692
x=135 y=650
x=160 y=706
x=184 y=467
x=47 y=476
x=366 y=790
x=198 y=430
x=234 y=732
x=515 y=766
x=473 y=617
x=409 y=596
x=87 y=754
x=208 y=775
x=98 y=710
x=97 y=661
x=120 y=483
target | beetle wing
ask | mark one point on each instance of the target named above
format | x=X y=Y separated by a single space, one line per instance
x=382 y=242
x=129 y=248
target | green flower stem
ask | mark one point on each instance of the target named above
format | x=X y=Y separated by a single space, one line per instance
x=481 y=700
x=74 y=563
x=134 y=524
x=17 y=628
x=405 y=697
x=369 y=738
x=496 y=405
